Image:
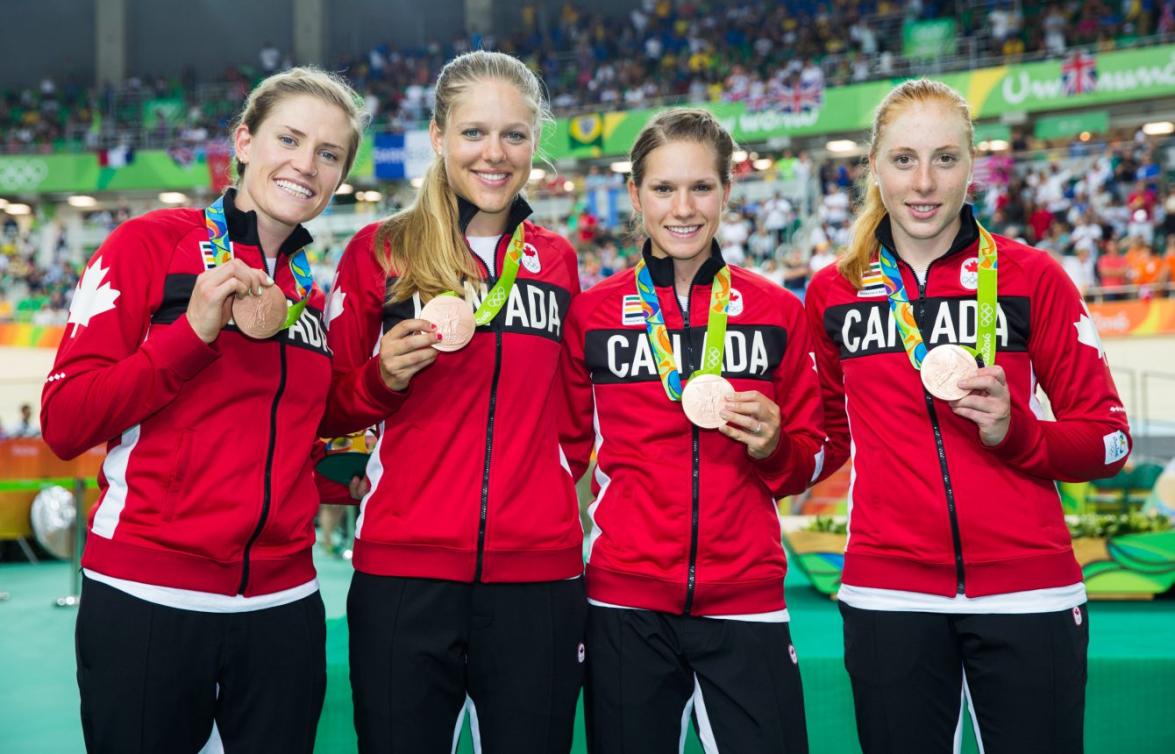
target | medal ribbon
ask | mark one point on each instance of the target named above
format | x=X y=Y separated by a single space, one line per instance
x=902 y=310
x=500 y=293
x=658 y=334
x=217 y=225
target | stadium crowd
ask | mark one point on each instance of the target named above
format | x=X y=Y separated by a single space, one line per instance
x=1106 y=211
x=662 y=51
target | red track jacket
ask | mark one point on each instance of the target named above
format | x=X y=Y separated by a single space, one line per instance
x=207 y=482
x=930 y=508
x=467 y=482
x=685 y=521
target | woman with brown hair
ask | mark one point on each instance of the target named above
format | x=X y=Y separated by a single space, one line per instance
x=467 y=594
x=692 y=380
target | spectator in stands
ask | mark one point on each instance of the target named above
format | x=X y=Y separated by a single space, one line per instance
x=1146 y=268
x=26 y=426
x=1113 y=270
x=1079 y=266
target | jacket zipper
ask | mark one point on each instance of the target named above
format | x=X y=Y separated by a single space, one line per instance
x=485 y=474
x=919 y=312
x=687 y=365
x=268 y=493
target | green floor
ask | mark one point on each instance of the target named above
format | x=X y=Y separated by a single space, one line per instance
x=1131 y=700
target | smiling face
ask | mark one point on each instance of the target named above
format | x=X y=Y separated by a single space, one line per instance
x=488 y=147
x=922 y=163
x=293 y=162
x=680 y=198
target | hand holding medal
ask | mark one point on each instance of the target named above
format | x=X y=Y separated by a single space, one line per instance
x=951 y=372
x=214 y=296
x=752 y=419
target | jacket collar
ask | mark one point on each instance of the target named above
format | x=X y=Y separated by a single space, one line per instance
x=519 y=211
x=661 y=268
x=242 y=227
x=968 y=233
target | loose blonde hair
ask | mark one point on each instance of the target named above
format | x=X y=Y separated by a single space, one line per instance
x=302 y=81
x=424 y=244
x=858 y=256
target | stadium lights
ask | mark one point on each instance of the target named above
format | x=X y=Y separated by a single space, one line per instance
x=3 y=203
x=81 y=201
x=18 y=209
x=172 y=197
x=537 y=174
x=1158 y=128
x=841 y=145
x=762 y=164
x=569 y=186
x=739 y=155
x=344 y=189
x=997 y=145
x=1085 y=136
x=369 y=196
x=416 y=182
x=622 y=166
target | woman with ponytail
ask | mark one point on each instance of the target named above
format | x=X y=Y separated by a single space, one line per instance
x=445 y=323
x=932 y=337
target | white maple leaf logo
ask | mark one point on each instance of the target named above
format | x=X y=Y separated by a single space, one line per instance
x=1087 y=334
x=92 y=296
x=334 y=305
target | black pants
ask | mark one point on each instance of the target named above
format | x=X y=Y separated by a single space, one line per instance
x=648 y=672
x=1024 y=676
x=154 y=678
x=423 y=652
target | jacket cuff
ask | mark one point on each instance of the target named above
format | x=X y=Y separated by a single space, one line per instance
x=1023 y=438
x=771 y=467
x=180 y=350
x=377 y=393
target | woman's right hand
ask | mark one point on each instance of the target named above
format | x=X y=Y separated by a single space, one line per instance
x=405 y=350
x=211 y=304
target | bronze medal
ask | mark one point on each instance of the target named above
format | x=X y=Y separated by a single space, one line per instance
x=704 y=398
x=943 y=367
x=260 y=317
x=454 y=320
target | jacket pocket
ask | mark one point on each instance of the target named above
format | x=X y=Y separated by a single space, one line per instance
x=179 y=475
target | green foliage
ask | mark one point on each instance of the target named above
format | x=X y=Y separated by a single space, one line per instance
x=1109 y=525
x=828 y=525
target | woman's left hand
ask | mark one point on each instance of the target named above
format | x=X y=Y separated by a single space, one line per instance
x=989 y=404
x=753 y=419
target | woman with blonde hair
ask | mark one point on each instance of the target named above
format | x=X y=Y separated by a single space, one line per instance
x=446 y=321
x=932 y=336
x=196 y=353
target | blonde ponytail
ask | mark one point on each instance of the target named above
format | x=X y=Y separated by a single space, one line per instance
x=423 y=245
x=858 y=256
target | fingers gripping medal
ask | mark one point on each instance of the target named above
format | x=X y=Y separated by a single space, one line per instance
x=943 y=367
x=454 y=320
x=265 y=315
x=260 y=317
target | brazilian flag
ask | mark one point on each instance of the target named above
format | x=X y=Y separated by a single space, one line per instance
x=586 y=131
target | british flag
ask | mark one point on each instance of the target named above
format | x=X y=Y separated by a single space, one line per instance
x=1079 y=73
x=801 y=98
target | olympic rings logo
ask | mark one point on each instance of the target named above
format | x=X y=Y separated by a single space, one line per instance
x=22 y=174
x=986 y=315
x=713 y=357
